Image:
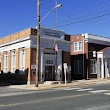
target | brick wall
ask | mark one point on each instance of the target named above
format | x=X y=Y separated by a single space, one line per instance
x=28 y=62
x=78 y=38
x=24 y=33
x=33 y=61
x=9 y=61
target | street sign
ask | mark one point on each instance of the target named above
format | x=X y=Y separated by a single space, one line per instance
x=33 y=66
x=65 y=70
x=94 y=53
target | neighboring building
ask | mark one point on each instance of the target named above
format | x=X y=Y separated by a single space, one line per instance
x=18 y=54
x=90 y=56
x=86 y=56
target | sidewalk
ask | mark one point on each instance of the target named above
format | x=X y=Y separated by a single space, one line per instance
x=72 y=84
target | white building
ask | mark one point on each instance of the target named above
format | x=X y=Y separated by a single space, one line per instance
x=18 y=54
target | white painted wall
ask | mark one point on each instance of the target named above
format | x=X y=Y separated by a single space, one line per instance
x=16 y=45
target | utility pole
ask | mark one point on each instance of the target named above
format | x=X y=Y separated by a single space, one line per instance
x=56 y=3
x=83 y=56
x=38 y=43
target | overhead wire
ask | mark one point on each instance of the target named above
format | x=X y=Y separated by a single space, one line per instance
x=78 y=8
x=88 y=19
x=85 y=20
x=75 y=17
x=80 y=17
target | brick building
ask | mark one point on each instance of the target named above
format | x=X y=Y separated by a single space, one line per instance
x=87 y=56
x=18 y=54
x=90 y=56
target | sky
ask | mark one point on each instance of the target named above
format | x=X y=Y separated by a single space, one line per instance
x=74 y=17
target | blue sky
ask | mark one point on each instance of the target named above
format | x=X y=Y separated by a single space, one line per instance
x=74 y=17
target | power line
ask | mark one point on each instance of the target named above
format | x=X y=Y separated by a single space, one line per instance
x=93 y=26
x=84 y=20
x=80 y=17
x=85 y=16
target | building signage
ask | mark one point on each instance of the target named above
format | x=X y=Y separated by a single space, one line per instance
x=46 y=32
x=94 y=53
x=33 y=66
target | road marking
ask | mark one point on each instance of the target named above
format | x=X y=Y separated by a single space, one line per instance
x=107 y=93
x=16 y=93
x=72 y=88
x=85 y=89
x=99 y=107
x=61 y=88
x=43 y=100
x=98 y=91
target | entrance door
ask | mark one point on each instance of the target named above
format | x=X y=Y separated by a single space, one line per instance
x=78 y=69
x=108 y=67
x=49 y=73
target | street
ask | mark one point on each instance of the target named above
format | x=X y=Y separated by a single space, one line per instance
x=95 y=97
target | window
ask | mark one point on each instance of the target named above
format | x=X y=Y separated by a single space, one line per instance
x=48 y=61
x=93 y=66
x=5 y=62
x=13 y=61
x=77 y=46
x=22 y=61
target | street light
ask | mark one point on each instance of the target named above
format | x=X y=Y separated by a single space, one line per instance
x=38 y=36
x=57 y=6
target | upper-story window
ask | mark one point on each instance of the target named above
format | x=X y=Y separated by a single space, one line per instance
x=77 y=46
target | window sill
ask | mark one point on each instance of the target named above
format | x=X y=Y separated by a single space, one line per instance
x=93 y=73
x=78 y=51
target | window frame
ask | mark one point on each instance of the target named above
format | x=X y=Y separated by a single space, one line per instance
x=49 y=62
x=13 y=62
x=77 y=46
x=6 y=62
x=22 y=61
x=93 y=66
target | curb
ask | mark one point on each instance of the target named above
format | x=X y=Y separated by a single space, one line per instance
x=47 y=87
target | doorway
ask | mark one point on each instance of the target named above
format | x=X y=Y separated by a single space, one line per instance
x=49 y=73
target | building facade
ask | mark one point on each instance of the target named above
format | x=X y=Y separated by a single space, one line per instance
x=90 y=55
x=18 y=54
x=86 y=56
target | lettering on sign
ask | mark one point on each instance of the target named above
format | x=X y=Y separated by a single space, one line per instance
x=52 y=33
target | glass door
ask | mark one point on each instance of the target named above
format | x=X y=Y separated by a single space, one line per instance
x=49 y=73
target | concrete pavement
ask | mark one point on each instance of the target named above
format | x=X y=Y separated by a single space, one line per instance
x=72 y=84
x=93 y=97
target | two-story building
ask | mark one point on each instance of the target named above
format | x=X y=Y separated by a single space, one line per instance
x=90 y=56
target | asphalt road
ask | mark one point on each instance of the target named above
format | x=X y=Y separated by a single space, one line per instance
x=95 y=97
